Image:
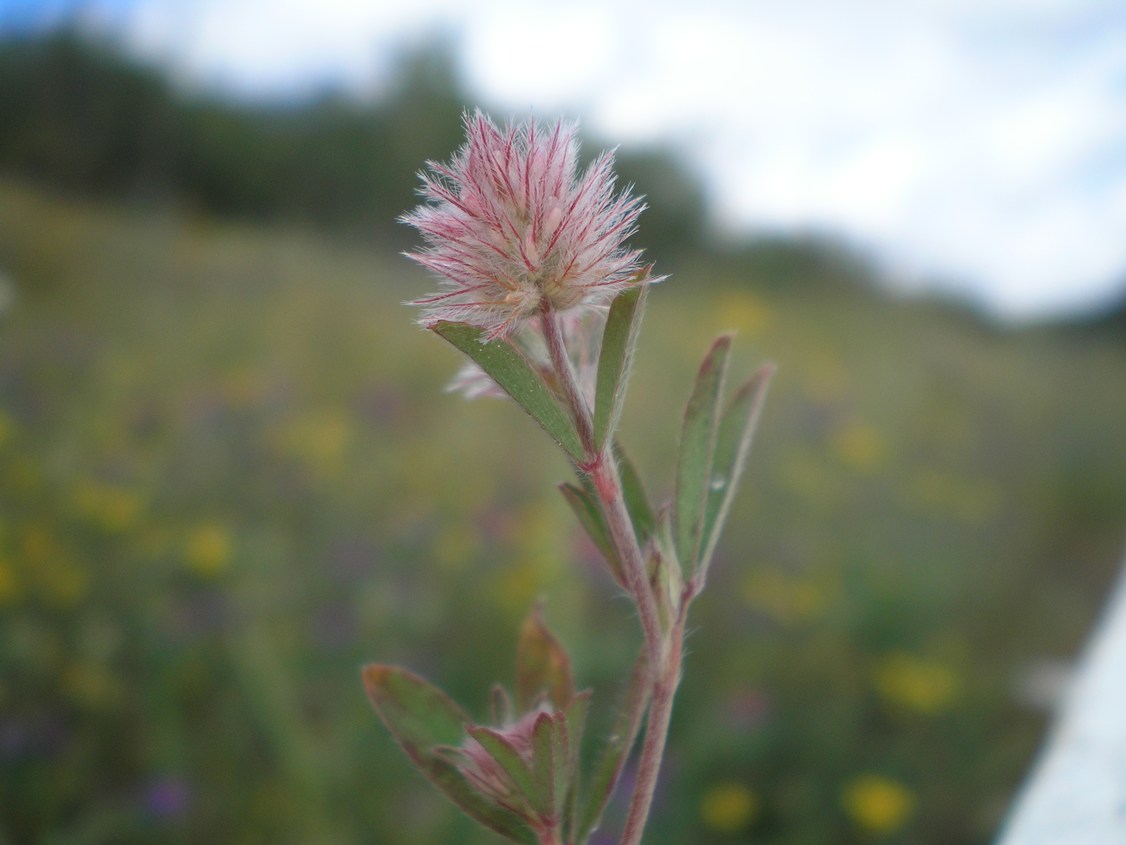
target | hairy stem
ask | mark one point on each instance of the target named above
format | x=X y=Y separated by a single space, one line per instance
x=656 y=732
x=569 y=383
x=603 y=470
x=664 y=649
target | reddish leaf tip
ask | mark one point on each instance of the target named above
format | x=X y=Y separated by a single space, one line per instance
x=375 y=675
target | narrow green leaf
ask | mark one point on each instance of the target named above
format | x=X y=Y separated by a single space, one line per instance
x=544 y=761
x=509 y=759
x=575 y=714
x=419 y=715
x=697 y=445
x=587 y=510
x=445 y=775
x=633 y=491
x=619 y=340
x=561 y=753
x=733 y=444
x=542 y=665
x=516 y=377
x=424 y=721
x=615 y=750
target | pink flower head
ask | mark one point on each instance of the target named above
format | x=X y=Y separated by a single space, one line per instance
x=511 y=227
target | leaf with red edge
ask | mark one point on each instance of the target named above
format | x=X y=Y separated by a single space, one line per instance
x=615 y=359
x=697 y=448
x=424 y=721
x=733 y=443
x=516 y=377
x=584 y=504
x=615 y=750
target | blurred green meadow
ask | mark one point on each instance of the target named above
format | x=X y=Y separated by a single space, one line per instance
x=230 y=476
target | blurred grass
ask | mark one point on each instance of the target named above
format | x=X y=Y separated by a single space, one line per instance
x=229 y=476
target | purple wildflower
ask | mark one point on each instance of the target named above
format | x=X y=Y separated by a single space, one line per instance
x=512 y=228
x=167 y=797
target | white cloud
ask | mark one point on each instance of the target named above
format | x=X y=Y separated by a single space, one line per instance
x=277 y=47
x=976 y=141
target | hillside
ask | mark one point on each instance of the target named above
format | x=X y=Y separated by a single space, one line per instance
x=229 y=475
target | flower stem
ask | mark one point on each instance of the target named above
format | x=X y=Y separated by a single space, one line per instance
x=664 y=649
x=568 y=381
x=603 y=470
x=656 y=732
x=604 y=473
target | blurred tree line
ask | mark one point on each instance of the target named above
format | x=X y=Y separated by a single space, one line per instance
x=82 y=115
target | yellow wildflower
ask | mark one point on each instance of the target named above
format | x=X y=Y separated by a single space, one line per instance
x=728 y=807
x=209 y=550
x=321 y=439
x=92 y=685
x=744 y=311
x=9 y=583
x=114 y=509
x=877 y=804
x=790 y=599
x=921 y=685
x=860 y=447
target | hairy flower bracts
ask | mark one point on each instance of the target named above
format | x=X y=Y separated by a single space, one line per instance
x=520 y=778
x=512 y=227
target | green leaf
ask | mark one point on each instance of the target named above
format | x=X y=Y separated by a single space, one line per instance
x=697 y=446
x=509 y=759
x=619 y=340
x=575 y=714
x=419 y=715
x=445 y=775
x=546 y=763
x=615 y=750
x=424 y=721
x=561 y=754
x=733 y=444
x=542 y=665
x=516 y=377
x=633 y=491
x=587 y=510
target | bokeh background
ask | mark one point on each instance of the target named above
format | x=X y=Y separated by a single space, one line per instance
x=229 y=474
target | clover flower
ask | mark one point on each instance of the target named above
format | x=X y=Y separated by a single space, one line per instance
x=511 y=227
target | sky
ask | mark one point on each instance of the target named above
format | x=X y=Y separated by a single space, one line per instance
x=977 y=146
